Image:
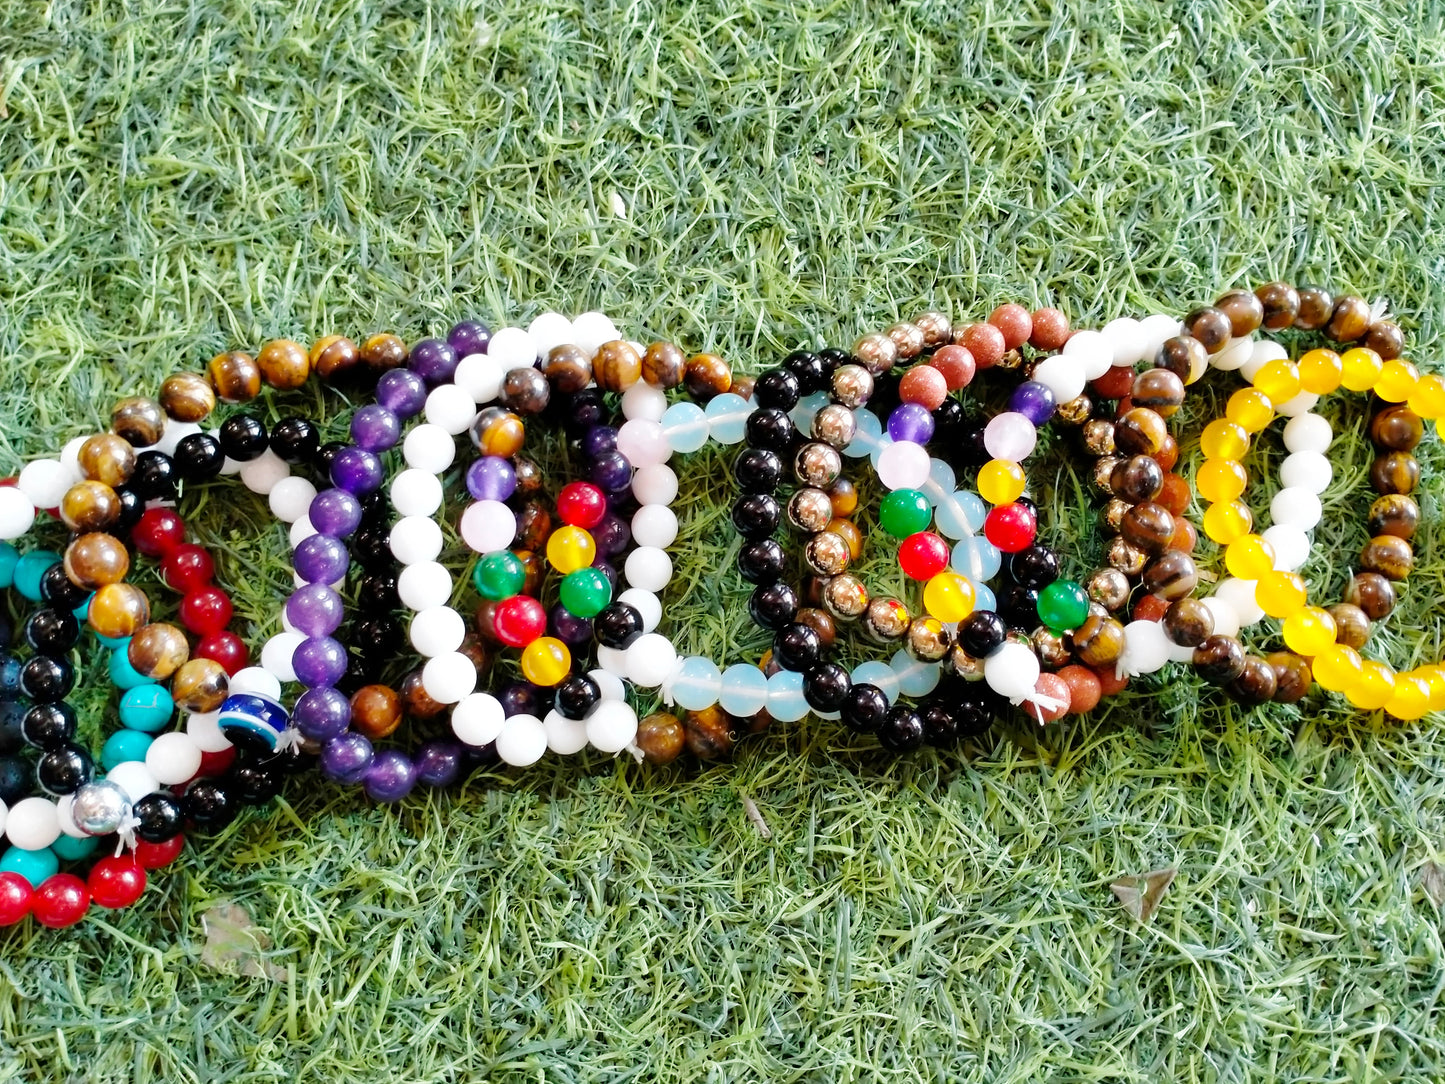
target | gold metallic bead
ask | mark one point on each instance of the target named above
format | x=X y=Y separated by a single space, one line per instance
x=1012 y=359
x=935 y=327
x=1109 y=588
x=1128 y=559
x=877 y=352
x=1114 y=513
x=1103 y=471
x=965 y=665
x=1076 y=411
x=928 y=640
x=1050 y=648
x=908 y=338
x=1099 y=437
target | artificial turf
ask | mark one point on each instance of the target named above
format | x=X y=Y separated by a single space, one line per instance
x=180 y=178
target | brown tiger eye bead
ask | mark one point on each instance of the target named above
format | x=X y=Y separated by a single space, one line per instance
x=285 y=365
x=419 y=703
x=1109 y=588
x=1352 y=627
x=886 y=620
x=1292 y=676
x=1172 y=575
x=1158 y=390
x=382 y=351
x=1315 y=308
x=376 y=711
x=877 y=352
x=827 y=554
x=810 y=510
x=1386 y=339
x=1394 y=514
x=1181 y=355
x=1099 y=437
x=845 y=598
x=334 y=356
x=534 y=526
x=567 y=368
x=1397 y=472
x=199 y=685
x=663 y=365
x=1189 y=622
x=497 y=431
x=1256 y=683
x=1351 y=319
x=96 y=559
x=1219 y=659
x=1280 y=302
x=852 y=385
x=476 y=651
x=1372 y=593
x=1148 y=526
x=711 y=733
x=484 y=620
x=158 y=650
x=117 y=610
x=1098 y=642
x=235 y=376
x=743 y=386
x=1053 y=653
x=1136 y=479
x=107 y=458
x=616 y=366
x=707 y=375
x=1244 y=311
x=1388 y=555
x=661 y=737
x=908 y=338
x=844 y=496
x=89 y=506
x=1210 y=326
x=848 y=531
x=1076 y=411
x=928 y=640
x=138 y=421
x=187 y=397
x=936 y=327
x=1140 y=431
x=529 y=476
x=1397 y=428
x=819 y=621
x=525 y=391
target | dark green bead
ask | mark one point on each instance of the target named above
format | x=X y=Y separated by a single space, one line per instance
x=585 y=592
x=1063 y=606
x=905 y=512
x=499 y=575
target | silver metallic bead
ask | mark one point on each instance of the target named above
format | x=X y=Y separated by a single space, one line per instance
x=99 y=808
x=966 y=666
x=1050 y=648
x=1114 y=513
x=1128 y=559
x=810 y=510
x=835 y=425
x=1109 y=588
x=845 y=597
x=827 y=554
x=817 y=464
x=928 y=640
x=1099 y=436
x=886 y=620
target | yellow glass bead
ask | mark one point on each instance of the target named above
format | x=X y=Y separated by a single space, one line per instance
x=1280 y=594
x=1320 y=371
x=1279 y=380
x=1428 y=398
x=949 y=597
x=1360 y=368
x=1000 y=482
x=1309 y=631
x=1397 y=381
x=1250 y=409
x=1227 y=521
x=1221 y=480
x=1372 y=687
x=1249 y=558
x=571 y=548
x=1336 y=667
x=546 y=661
x=1435 y=679
x=1411 y=699
x=1223 y=439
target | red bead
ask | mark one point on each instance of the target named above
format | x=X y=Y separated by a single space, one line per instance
x=156 y=855
x=923 y=555
x=188 y=568
x=1150 y=608
x=1115 y=384
x=1111 y=681
x=519 y=620
x=1185 y=536
x=1010 y=527
x=117 y=881
x=1175 y=495
x=16 y=897
x=581 y=504
x=957 y=363
x=1055 y=688
x=206 y=610
x=61 y=900
x=226 y=648
x=217 y=763
x=158 y=532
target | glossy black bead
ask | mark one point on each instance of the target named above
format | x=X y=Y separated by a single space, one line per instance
x=56 y=589
x=773 y=606
x=161 y=817
x=756 y=515
x=982 y=633
x=155 y=476
x=617 y=625
x=825 y=686
x=376 y=509
x=762 y=561
x=326 y=453
x=757 y=470
x=902 y=730
x=864 y=708
x=885 y=397
x=1035 y=567
x=940 y=728
x=132 y=507
x=243 y=437
x=973 y=706
x=52 y=632
x=969 y=447
x=361 y=670
x=12 y=719
x=16 y=779
x=45 y=678
x=211 y=804
x=808 y=369
x=295 y=439
x=797 y=647
x=371 y=547
x=1028 y=502
x=377 y=637
x=776 y=389
x=378 y=592
x=49 y=726
x=577 y=695
x=1018 y=605
x=64 y=770
x=948 y=420
x=832 y=358
x=198 y=457
x=255 y=781
x=772 y=429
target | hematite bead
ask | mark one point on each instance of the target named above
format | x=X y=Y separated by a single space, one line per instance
x=772 y=429
x=48 y=725
x=16 y=780
x=773 y=606
x=326 y=455
x=56 y=589
x=198 y=456
x=776 y=389
x=761 y=561
x=827 y=553
x=295 y=440
x=378 y=636
x=940 y=728
x=254 y=782
x=378 y=592
x=796 y=647
x=617 y=625
x=1018 y=605
x=927 y=640
x=864 y=708
x=758 y=470
x=1109 y=588
x=161 y=817
x=982 y=633
x=64 y=770
x=154 y=477
x=845 y=597
x=756 y=515
x=817 y=464
x=1256 y=682
x=901 y=731
x=1219 y=659
x=810 y=510
x=825 y=686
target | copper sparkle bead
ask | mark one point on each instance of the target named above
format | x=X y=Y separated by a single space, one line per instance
x=235 y=376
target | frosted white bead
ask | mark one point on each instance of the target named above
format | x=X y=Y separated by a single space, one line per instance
x=488 y=526
x=1012 y=671
x=611 y=726
x=70 y=454
x=522 y=741
x=591 y=330
x=205 y=730
x=45 y=482
x=564 y=736
x=548 y=330
x=1296 y=507
x=1180 y=653
x=1291 y=546
x=1146 y=647
x=1239 y=594
x=451 y=408
x=1308 y=470
x=644 y=443
x=903 y=465
x=1308 y=433
x=480 y=376
x=173 y=758
x=1226 y=617
x=1157 y=329
x=437 y=631
x=1128 y=338
x=449 y=678
x=650 y=660
x=1065 y=375
x=286 y=624
x=64 y=815
x=656 y=484
x=300 y=531
x=477 y=719
x=513 y=347
x=430 y=448
x=654 y=525
x=173 y=434
x=644 y=402
x=1009 y=436
x=645 y=603
x=276 y=654
x=262 y=474
x=255 y=681
x=648 y=568
x=229 y=466
x=32 y=824
x=290 y=498
x=1261 y=354
x=133 y=777
x=416 y=492
x=17 y=513
x=612 y=659
x=1235 y=353
x=609 y=684
x=424 y=585
x=1302 y=403
x=415 y=539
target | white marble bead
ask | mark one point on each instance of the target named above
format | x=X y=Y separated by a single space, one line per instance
x=415 y=539
x=648 y=568
x=654 y=525
x=424 y=585
x=415 y=492
x=451 y=408
x=262 y=474
x=429 y=448
x=173 y=758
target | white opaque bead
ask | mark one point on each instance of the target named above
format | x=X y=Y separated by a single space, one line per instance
x=565 y=736
x=643 y=442
x=173 y=434
x=290 y=498
x=1296 y=507
x=1239 y=594
x=415 y=539
x=17 y=513
x=480 y=376
x=1308 y=433
x=488 y=526
x=1146 y=648
x=430 y=448
x=644 y=402
x=522 y=742
x=173 y=758
x=1308 y=470
x=424 y=585
x=1065 y=375
x=650 y=660
x=1226 y=617
x=611 y=726
x=549 y=330
x=645 y=603
x=262 y=474
x=64 y=816
x=648 y=568
x=513 y=348
x=32 y=824
x=1129 y=340
x=204 y=729
x=300 y=531
x=276 y=655
x=1157 y=329
x=415 y=492
x=450 y=408
x=45 y=482
x=1261 y=353
x=1010 y=436
x=903 y=465
x=133 y=777
x=477 y=719
x=70 y=454
x=437 y=631
x=591 y=330
x=255 y=681
x=1302 y=403
x=1087 y=355
x=612 y=659
x=1291 y=546
x=656 y=484
x=1012 y=671
x=654 y=525
x=609 y=684
x=1235 y=353
x=449 y=678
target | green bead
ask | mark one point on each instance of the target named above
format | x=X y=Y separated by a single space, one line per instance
x=9 y=558
x=586 y=592
x=147 y=707
x=905 y=512
x=29 y=569
x=69 y=848
x=1063 y=606
x=124 y=745
x=34 y=866
x=499 y=575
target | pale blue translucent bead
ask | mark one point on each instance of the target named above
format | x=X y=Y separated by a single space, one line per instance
x=698 y=684
x=959 y=514
x=869 y=431
x=786 y=702
x=880 y=674
x=941 y=481
x=983 y=597
x=915 y=678
x=876 y=452
x=744 y=690
x=807 y=407
x=685 y=426
x=727 y=417
x=977 y=558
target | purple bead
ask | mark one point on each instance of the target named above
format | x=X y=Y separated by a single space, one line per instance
x=346 y=758
x=402 y=392
x=439 y=762
x=599 y=440
x=491 y=478
x=469 y=337
x=375 y=429
x=322 y=714
x=315 y=610
x=607 y=570
x=612 y=535
x=611 y=471
x=622 y=502
x=572 y=630
x=587 y=408
x=319 y=660
x=390 y=776
x=357 y=471
x=910 y=421
x=521 y=698
x=1034 y=401
x=334 y=512
x=433 y=360
x=322 y=559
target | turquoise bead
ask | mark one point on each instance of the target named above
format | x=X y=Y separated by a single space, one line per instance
x=9 y=558
x=34 y=866
x=122 y=674
x=68 y=848
x=685 y=426
x=29 y=569
x=727 y=417
x=124 y=745
x=147 y=707
x=915 y=677
x=114 y=643
x=786 y=702
x=868 y=436
x=880 y=674
x=698 y=684
x=82 y=612
x=744 y=690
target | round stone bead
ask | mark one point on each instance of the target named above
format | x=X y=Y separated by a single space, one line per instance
x=235 y=376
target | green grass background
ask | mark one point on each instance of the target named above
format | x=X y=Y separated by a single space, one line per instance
x=176 y=178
